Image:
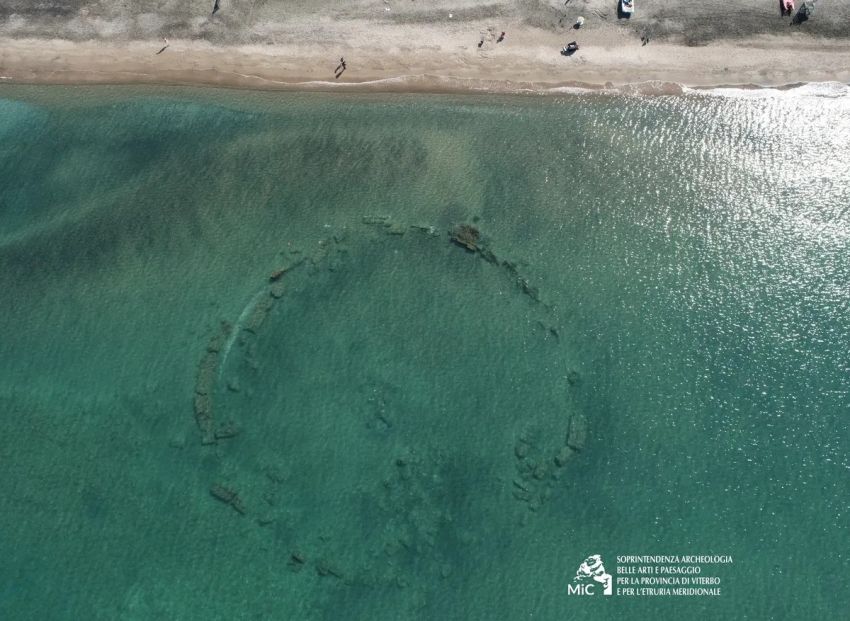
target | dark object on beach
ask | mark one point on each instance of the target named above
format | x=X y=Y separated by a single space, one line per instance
x=803 y=13
x=466 y=236
x=340 y=68
x=228 y=496
x=625 y=9
x=481 y=42
x=644 y=38
x=570 y=48
x=216 y=7
x=164 y=47
x=501 y=38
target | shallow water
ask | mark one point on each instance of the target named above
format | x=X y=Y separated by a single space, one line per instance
x=670 y=272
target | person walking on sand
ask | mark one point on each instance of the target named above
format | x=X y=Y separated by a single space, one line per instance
x=164 y=47
x=501 y=37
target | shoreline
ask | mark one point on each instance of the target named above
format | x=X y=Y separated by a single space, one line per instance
x=529 y=63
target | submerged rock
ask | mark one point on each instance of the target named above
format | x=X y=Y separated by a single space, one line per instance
x=488 y=255
x=510 y=267
x=277 y=289
x=275 y=473
x=227 y=431
x=228 y=496
x=466 y=236
x=523 y=495
x=540 y=472
x=564 y=455
x=521 y=449
x=207 y=370
x=297 y=560
x=204 y=418
x=528 y=290
x=258 y=315
x=217 y=342
x=326 y=568
x=428 y=230
x=577 y=434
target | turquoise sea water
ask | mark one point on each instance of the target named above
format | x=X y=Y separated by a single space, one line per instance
x=669 y=274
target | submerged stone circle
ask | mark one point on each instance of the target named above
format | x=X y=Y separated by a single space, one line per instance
x=410 y=495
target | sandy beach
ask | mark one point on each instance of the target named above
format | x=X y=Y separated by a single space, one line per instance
x=411 y=46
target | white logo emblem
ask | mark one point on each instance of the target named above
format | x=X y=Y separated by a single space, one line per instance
x=593 y=570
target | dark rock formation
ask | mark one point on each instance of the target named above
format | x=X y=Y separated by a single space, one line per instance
x=466 y=236
x=228 y=496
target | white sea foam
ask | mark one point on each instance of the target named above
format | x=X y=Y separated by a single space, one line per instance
x=575 y=90
x=425 y=82
x=832 y=90
x=324 y=83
